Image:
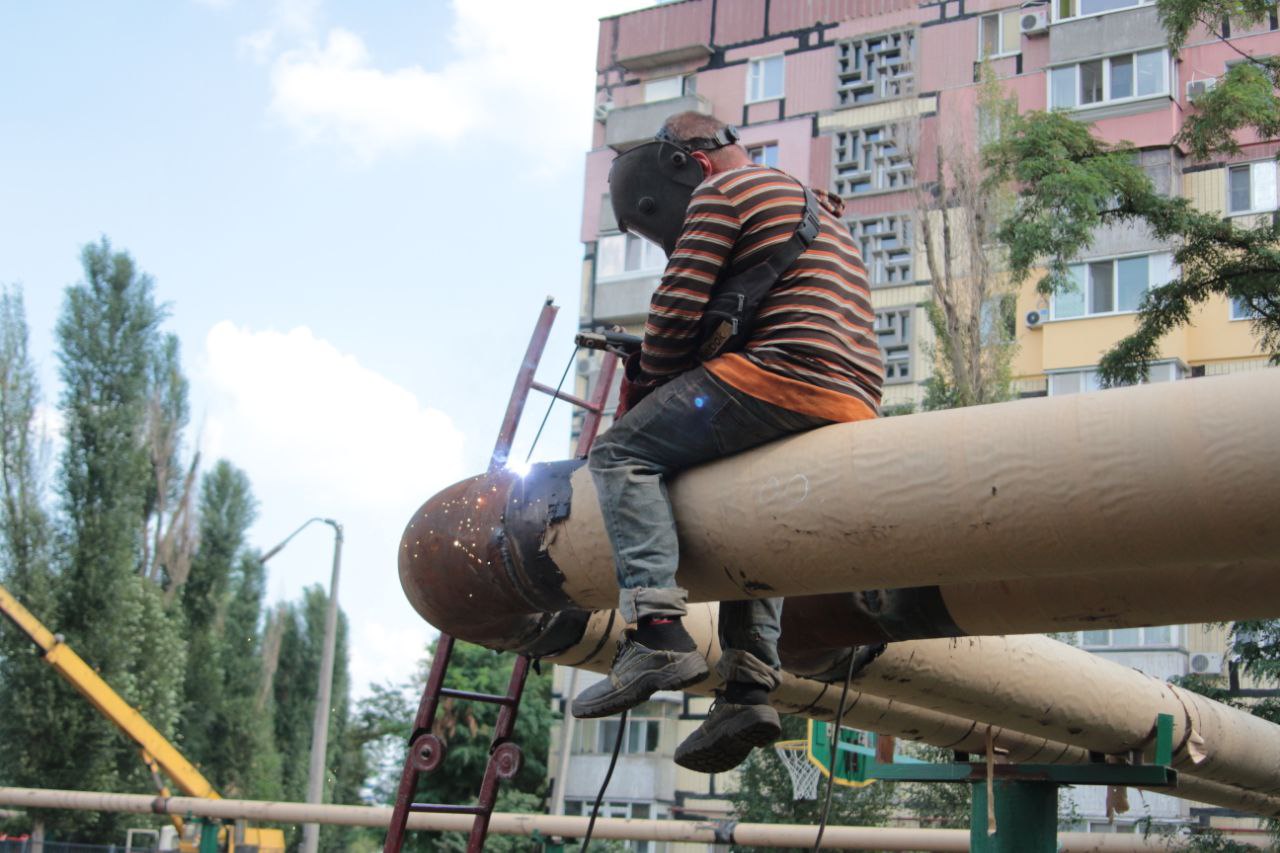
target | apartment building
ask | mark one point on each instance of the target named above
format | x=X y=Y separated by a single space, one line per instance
x=857 y=96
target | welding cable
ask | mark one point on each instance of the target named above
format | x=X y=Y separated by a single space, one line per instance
x=835 y=751
x=554 y=397
x=604 y=786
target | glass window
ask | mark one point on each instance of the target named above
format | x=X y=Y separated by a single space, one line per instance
x=1091 y=82
x=989 y=35
x=1096 y=638
x=1070 y=303
x=1240 y=310
x=764 y=155
x=1101 y=288
x=1125 y=636
x=1131 y=282
x=764 y=81
x=1151 y=66
x=1063 y=87
x=1240 y=189
x=627 y=254
x=1159 y=635
x=1122 y=77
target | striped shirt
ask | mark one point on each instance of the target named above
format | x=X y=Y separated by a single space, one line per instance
x=813 y=348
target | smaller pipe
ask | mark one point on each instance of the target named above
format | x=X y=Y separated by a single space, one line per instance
x=746 y=834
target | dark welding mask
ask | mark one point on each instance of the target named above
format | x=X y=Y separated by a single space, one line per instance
x=650 y=186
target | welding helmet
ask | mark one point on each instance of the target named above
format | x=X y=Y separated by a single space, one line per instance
x=650 y=186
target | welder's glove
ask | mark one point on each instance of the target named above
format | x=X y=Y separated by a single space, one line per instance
x=634 y=388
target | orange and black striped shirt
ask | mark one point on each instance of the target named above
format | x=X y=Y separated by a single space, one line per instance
x=813 y=347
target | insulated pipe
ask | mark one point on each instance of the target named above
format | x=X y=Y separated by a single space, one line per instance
x=1146 y=479
x=1034 y=682
x=906 y=721
x=763 y=835
x=1172 y=596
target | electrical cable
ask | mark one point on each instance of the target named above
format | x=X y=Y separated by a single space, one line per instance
x=554 y=397
x=604 y=786
x=835 y=751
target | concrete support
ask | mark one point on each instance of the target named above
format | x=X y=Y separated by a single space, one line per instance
x=746 y=834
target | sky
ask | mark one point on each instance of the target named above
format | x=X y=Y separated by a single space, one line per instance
x=353 y=211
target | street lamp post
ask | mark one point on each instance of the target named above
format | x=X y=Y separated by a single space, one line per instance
x=320 y=723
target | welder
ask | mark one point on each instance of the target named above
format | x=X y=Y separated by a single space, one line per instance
x=760 y=327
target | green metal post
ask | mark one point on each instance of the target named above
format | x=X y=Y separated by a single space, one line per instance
x=1026 y=818
x=209 y=836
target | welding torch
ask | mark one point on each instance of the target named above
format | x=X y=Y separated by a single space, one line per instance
x=613 y=340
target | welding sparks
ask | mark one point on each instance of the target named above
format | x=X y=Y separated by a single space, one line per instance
x=520 y=469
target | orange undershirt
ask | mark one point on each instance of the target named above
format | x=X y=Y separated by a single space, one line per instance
x=790 y=394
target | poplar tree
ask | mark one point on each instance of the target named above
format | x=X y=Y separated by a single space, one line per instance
x=30 y=687
x=108 y=343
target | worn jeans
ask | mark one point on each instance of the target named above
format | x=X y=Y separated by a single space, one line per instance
x=692 y=419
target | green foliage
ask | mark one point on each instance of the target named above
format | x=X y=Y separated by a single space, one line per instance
x=936 y=805
x=30 y=734
x=765 y=793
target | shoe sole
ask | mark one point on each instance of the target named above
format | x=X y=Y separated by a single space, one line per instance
x=729 y=749
x=625 y=698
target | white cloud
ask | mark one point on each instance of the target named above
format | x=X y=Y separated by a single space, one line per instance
x=321 y=435
x=516 y=67
x=292 y=404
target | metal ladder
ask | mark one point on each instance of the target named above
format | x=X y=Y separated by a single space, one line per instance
x=427 y=750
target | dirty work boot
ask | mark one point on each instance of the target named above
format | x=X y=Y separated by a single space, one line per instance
x=738 y=723
x=637 y=673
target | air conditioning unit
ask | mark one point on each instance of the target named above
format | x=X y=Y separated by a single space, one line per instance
x=603 y=110
x=1203 y=663
x=1034 y=22
x=1036 y=319
x=1196 y=88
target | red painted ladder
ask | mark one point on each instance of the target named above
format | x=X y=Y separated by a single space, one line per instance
x=427 y=750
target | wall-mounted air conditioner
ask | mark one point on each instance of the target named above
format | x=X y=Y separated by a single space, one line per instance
x=1196 y=88
x=1034 y=22
x=1205 y=663
x=1035 y=319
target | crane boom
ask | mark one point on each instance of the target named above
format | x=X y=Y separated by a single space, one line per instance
x=109 y=703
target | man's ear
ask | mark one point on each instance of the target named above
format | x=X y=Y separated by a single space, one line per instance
x=701 y=158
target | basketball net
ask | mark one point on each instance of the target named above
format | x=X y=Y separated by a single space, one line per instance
x=804 y=774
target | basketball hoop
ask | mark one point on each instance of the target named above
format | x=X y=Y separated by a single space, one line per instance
x=794 y=755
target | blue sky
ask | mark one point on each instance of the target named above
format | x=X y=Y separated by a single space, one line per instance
x=354 y=211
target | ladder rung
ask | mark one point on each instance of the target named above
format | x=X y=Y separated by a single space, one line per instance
x=477 y=697
x=441 y=808
x=567 y=397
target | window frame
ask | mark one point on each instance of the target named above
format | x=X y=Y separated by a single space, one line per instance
x=1174 y=641
x=1003 y=50
x=1238 y=311
x=1173 y=365
x=1087 y=291
x=764 y=147
x=1166 y=73
x=1253 y=205
x=1055 y=8
x=646 y=250
x=758 y=62
x=681 y=79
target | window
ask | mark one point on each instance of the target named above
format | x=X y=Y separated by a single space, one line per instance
x=1159 y=635
x=886 y=245
x=870 y=159
x=1240 y=310
x=1251 y=187
x=663 y=89
x=1084 y=381
x=1076 y=8
x=764 y=79
x=1113 y=286
x=999 y=35
x=620 y=255
x=1117 y=78
x=873 y=69
x=643 y=734
x=893 y=329
x=764 y=155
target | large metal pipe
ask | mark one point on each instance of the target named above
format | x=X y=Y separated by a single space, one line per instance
x=1021 y=740
x=1068 y=694
x=699 y=832
x=1179 y=476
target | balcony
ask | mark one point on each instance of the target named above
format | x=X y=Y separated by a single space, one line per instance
x=627 y=127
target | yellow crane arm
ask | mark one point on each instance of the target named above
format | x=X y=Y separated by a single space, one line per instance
x=108 y=702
